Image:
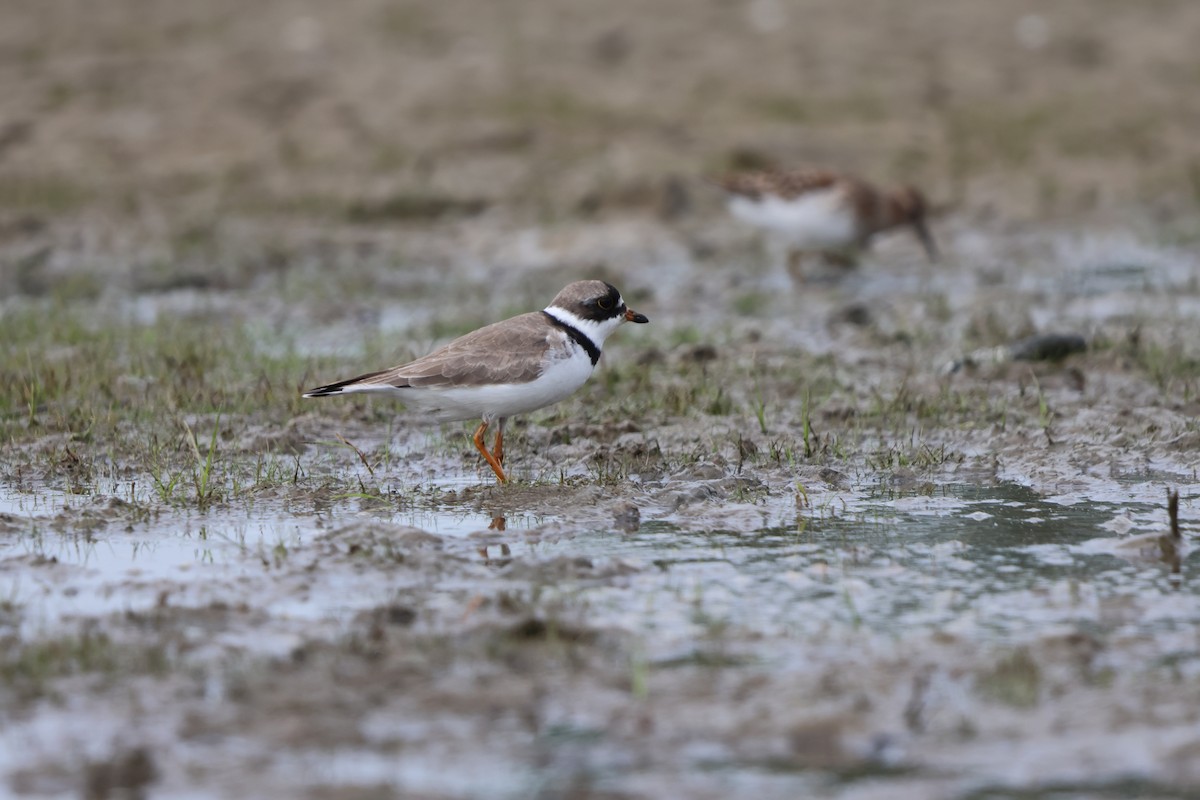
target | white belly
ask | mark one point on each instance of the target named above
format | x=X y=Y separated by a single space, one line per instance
x=815 y=220
x=559 y=381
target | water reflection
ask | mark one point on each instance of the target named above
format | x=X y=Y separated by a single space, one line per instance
x=498 y=523
x=1166 y=548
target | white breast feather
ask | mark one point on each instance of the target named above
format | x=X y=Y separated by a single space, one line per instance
x=814 y=219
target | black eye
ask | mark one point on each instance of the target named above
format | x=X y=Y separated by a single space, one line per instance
x=604 y=303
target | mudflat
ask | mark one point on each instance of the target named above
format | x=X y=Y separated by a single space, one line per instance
x=818 y=532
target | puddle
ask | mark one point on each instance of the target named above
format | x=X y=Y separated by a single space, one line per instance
x=846 y=582
x=998 y=558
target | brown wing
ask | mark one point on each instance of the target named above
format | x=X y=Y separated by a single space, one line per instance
x=784 y=183
x=511 y=351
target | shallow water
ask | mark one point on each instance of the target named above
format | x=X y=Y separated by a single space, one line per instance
x=999 y=558
x=843 y=581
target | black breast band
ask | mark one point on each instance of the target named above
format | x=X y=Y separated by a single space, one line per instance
x=579 y=336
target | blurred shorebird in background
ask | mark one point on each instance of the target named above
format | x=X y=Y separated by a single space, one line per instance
x=823 y=211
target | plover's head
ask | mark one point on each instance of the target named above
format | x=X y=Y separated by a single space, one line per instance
x=594 y=307
x=907 y=206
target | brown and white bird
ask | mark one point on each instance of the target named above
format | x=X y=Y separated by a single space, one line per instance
x=511 y=367
x=818 y=210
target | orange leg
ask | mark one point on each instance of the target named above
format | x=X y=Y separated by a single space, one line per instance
x=488 y=457
x=498 y=450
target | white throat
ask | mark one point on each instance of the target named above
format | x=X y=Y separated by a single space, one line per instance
x=596 y=331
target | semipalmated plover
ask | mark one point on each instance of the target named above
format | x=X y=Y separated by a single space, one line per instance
x=823 y=211
x=507 y=368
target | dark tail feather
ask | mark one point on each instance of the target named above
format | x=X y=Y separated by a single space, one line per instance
x=336 y=388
